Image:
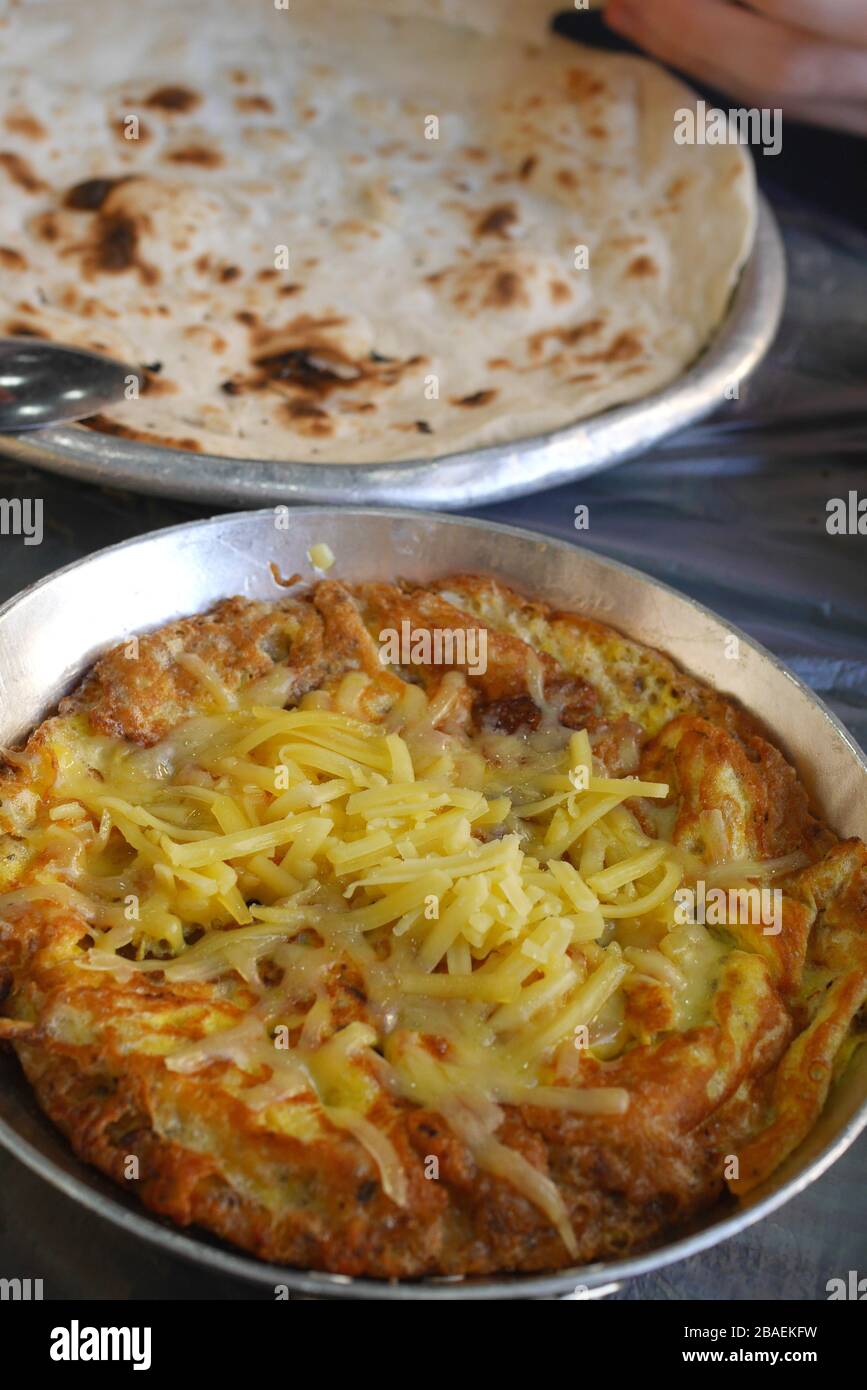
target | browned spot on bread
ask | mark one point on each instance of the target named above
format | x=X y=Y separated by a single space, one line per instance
x=624 y=347
x=566 y=178
x=204 y=336
x=568 y=336
x=91 y=308
x=309 y=419
x=175 y=99
x=20 y=172
x=307 y=358
x=90 y=195
x=292 y=288
x=103 y=425
x=254 y=103
x=156 y=385
x=114 y=249
x=228 y=273
x=559 y=291
x=477 y=398
x=597 y=132
x=527 y=166
x=582 y=85
x=497 y=221
x=642 y=267
x=24 y=123
x=18 y=329
x=506 y=289
x=202 y=155
x=45 y=227
x=70 y=299
x=318 y=369
x=11 y=259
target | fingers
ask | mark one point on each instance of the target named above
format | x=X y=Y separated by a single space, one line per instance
x=843 y=20
x=743 y=52
x=850 y=116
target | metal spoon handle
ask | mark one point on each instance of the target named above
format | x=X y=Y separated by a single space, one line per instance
x=44 y=383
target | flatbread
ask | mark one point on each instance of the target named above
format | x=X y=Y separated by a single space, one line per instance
x=522 y=19
x=433 y=299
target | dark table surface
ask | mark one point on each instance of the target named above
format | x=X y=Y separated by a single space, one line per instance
x=733 y=512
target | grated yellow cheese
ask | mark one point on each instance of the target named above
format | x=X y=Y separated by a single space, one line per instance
x=492 y=896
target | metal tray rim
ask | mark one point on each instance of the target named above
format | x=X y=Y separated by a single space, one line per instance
x=598 y=1276
x=476 y=477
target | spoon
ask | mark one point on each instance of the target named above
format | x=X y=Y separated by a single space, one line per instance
x=43 y=384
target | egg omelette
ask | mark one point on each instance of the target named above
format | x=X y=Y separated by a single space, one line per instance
x=382 y=966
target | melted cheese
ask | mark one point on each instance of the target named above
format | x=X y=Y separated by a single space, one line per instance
x=491 y=893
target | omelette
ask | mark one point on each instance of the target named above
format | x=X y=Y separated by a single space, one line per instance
x=373 y=949
x=355 y=232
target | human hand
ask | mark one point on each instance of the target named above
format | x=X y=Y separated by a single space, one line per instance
x=808 y=57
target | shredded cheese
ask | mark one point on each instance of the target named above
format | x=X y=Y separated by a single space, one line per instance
x=491 y=894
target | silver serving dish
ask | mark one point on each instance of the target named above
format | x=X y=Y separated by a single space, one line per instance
x=473 y=478
x=53 y=631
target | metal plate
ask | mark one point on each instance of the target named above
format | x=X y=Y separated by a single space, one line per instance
x=51 y=633
x=473 y=478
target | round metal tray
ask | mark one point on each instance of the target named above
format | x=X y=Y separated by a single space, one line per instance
x=473 y=478
x=52 y=632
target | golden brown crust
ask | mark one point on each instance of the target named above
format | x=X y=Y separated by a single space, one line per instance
x=139 y=690
x=624 y=1181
